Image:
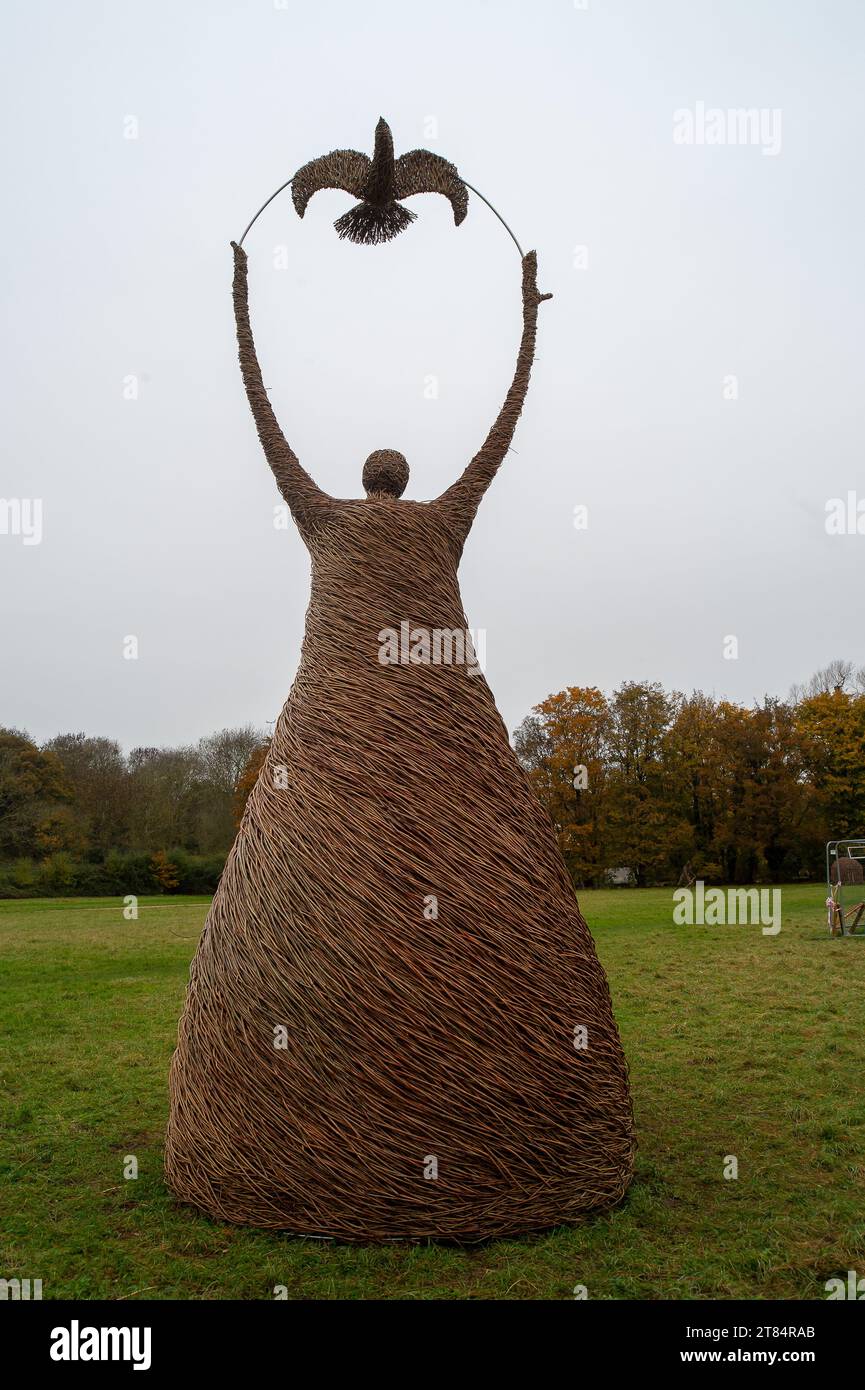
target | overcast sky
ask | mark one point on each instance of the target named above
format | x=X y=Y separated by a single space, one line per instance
x=700 y=263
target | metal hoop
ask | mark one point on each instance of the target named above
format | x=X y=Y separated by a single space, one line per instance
x=468 y=185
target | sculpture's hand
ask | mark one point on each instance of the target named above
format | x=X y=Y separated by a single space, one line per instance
x=530 y=280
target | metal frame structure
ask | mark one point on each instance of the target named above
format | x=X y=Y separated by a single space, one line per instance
x=468 y=185
x=848 y=848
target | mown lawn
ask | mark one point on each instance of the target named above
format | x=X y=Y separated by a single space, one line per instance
x=739 y=1044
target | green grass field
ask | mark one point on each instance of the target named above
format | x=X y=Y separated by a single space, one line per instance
x=738 y=1044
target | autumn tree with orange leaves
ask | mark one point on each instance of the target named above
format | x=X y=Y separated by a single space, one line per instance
x=649 y=780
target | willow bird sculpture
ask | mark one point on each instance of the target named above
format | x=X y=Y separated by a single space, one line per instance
x=378 y=182
x=396 y=1025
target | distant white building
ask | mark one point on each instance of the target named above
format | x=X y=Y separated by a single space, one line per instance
x=621 y=878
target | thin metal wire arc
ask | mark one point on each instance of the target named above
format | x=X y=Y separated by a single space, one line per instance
x=497 y=213
x=468 y=185
x=267 y=204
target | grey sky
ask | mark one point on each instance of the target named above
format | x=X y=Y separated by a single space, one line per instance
x=706 y=515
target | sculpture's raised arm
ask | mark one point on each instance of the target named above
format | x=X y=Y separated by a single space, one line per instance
x=462 y=498
x=306 y=500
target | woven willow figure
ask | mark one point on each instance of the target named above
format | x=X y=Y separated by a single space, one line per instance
x=383 y=1034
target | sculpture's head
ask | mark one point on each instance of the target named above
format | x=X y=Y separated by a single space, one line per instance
x=385 y=471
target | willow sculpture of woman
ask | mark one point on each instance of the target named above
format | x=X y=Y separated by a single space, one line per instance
x=396 y=1023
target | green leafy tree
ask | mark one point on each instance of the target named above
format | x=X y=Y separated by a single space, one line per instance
x=33 y=796
x=95 y=770
x=645 y=832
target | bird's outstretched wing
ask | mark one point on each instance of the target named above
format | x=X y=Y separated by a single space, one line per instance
x=345 y=169
x=418 y=171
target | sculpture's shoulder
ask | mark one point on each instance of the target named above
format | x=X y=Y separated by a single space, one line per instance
x=386 y=513
x=378 y=522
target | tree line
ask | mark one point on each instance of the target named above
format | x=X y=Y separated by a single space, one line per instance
x=668 y=786
x=646 y=780
x=77 y=815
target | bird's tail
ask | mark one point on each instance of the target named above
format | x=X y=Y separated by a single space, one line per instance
x=370 y=226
